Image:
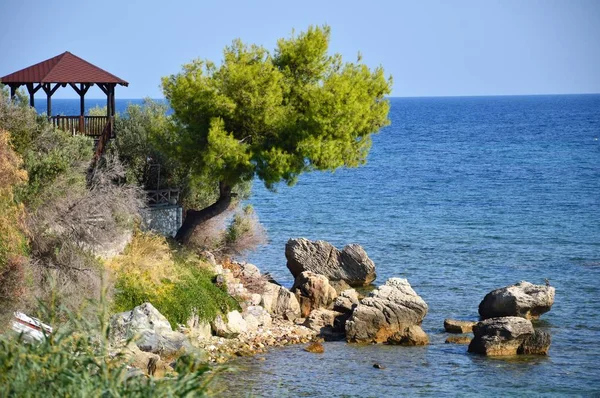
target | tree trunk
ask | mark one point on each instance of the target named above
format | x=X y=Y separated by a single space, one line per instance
x=193 y=218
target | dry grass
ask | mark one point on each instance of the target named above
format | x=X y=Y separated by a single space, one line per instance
x=176 y=282
x=13 y=264
x=232 y=233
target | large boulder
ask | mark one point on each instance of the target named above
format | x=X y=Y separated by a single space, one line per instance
x=150 y=330
x=509 y=335
x=320 y=319
x=230 y=326
x=391 y=314
x=346 y=301
x=329 y=324
x=524 y=300
x=536 y=344
x=280 y=302
x=197 y=328
x=149 y=363
x=351 y=265
x=255 y=317
x=313 y=291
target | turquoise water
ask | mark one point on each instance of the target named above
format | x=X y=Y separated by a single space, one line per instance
x=460 y=196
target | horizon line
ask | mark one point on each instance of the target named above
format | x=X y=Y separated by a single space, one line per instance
x=391 y=96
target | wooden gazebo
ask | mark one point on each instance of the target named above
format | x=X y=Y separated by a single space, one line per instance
x=68 y=69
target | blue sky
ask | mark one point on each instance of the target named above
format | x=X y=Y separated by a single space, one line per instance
x=431 y=48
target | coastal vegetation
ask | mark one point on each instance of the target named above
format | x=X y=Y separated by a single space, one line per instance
x=175 y=280
x=72 y=244
x=271 y=116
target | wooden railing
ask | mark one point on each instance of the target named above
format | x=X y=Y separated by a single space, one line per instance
x=92 y=126
x=162 y=197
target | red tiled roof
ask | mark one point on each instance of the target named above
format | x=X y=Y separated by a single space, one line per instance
x=64 y=68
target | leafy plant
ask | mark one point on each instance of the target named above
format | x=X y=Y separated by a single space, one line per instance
x=176 y=282
x=76 y=361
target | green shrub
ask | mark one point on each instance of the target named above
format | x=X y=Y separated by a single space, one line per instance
x=74 y=361
x=54 y=154
x=176 y=282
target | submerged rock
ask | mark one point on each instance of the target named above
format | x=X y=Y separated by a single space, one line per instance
x=315 y=348
x=523 y=299
x=508 y=336
x=462 y=339
x=352 y=264
x=391 y=314
x=454 y=326
x=313 y=291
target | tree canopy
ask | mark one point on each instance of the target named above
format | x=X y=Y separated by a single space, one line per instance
x=274 y=115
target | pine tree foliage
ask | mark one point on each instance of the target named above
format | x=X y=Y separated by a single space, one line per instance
x=275 y=115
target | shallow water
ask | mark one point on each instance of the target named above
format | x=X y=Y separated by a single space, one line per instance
x=460 y=196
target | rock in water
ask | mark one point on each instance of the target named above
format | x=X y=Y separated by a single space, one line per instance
x=346 y=301
x=462 y=339
x=454 y=326
x=351 y=265
x=313 y=291
x=391 y=314
x=508 y=336
x=536 y=344
x=315 y=348
x=524 y=300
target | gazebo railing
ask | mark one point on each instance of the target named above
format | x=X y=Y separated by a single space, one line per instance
x=92 y=126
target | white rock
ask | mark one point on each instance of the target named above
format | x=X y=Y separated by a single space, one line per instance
x=233 y=326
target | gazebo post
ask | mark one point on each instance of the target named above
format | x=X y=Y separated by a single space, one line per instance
x=31 y=90
x=81 y=100
x=13 y=91
x=112 y=107
x=31 y=93
x=48 y=100
x=49 y=91
x=81 y=91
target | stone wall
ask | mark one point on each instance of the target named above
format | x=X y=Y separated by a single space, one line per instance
x=165 y=220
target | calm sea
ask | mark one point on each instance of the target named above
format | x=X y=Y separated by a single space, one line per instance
x=460 y=196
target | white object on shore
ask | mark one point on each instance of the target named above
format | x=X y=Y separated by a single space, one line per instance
x=30 y=328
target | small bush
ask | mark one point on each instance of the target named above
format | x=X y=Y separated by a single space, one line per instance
x=232 y=233
x=74 y=361
x=65 y=231
x=176 y=282
x=21 y=120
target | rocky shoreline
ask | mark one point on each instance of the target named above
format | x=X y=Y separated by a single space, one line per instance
x=321 y=305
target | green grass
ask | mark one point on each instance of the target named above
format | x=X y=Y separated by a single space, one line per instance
x=175 y=281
